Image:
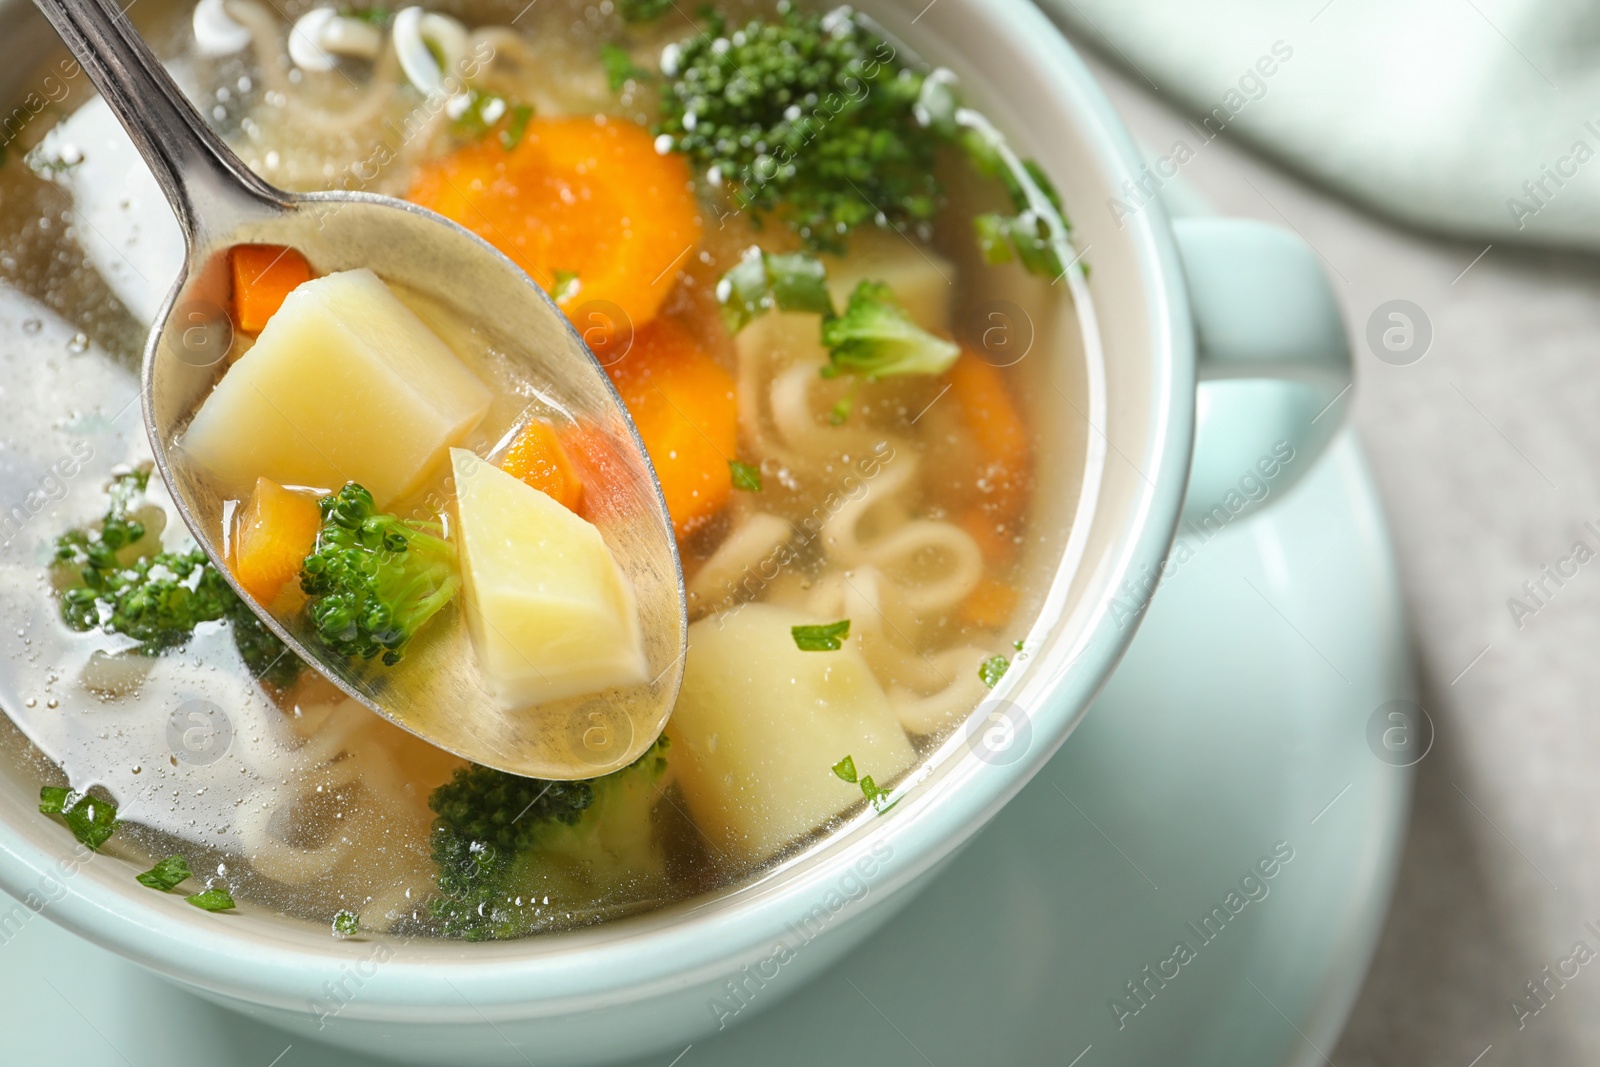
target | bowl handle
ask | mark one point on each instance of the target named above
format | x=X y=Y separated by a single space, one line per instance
x=1274 y=364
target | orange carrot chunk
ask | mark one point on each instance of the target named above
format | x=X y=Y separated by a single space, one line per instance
x=1000 y=435
x=263 y=275
x=275 y=532
x=586 y=206
x=991 y=605
x=536 y=457
x=683 y=404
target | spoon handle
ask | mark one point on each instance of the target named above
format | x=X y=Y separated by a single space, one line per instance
x=210 y=189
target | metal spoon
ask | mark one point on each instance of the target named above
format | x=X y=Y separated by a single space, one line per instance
x=437 y=692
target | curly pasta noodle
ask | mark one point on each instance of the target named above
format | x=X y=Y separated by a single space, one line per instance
x=906 y=547
x=267 y=40
x=740 y=563
x=961 y=690
x=266 y=821
x=927 y=691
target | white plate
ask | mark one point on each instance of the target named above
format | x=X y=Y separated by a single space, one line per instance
x=1237 y=721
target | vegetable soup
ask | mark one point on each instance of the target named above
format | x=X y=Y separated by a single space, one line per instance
x=812 y=272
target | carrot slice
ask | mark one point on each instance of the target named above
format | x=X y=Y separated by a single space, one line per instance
x=990 y=605
x=536 y=456
x=683 y=404
x=1000 y=436
x=275 y=532
x=585 y=205
x=263 y=275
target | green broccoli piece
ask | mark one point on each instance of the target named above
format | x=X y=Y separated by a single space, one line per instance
x=807 y=117
x=157 y=600
x=766 y=281
x=876 y=338
x=517 y=855
x=112 y=576
x=374 y=580
x=1034 y=235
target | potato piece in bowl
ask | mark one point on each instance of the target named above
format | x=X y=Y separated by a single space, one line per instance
x=760 y=724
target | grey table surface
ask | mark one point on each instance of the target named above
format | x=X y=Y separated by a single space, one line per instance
x=1485 y=451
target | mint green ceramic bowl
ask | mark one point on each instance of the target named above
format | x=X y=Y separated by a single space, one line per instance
x=1255 y=307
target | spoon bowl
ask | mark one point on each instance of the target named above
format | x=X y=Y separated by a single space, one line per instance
x=437 y=692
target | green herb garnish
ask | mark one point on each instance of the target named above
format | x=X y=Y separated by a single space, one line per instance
x=765 y=281
x=373 y=16
x=216 y=898
x=878 y=798
x=991 y=670
x=642 y=10
x=620 y=67
x=485 y=111
x=517 y=128
x=746 y=476
x=168 y=874
x=845 y=770
x=828 y=638
x=346 y=924
x=91 y=820
x=566 y=286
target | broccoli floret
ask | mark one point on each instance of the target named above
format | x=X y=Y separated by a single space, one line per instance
x=808 y=117
x=876 y=338
x=374 y=580
x=517 y=855
x=112 y=576
x=157 y=600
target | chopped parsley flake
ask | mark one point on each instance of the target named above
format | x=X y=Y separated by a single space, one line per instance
x=620 y=67
x=566 y=286
x=642 y=10
x=746 y=476
x=827 y=638
x=845 y=771
x=511 y=136
x=345 y=924
x=991 y=670
x=91 y=820
x=216 y=898
x=168 y=874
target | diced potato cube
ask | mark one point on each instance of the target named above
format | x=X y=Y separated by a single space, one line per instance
x=552 y=615
x=344 y=384
x=759 y=725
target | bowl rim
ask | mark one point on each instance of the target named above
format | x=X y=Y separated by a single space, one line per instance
x=621 y=961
